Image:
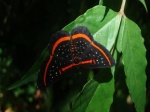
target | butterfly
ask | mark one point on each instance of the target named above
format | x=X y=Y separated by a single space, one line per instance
x=71 y=50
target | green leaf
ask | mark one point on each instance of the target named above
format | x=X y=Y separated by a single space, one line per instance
x=143 y=2
x=102 y=22
x=115 y=57
x=104 y=25
x=120 y=36
x=94 y=97
x=134 y=59
x=101 y=2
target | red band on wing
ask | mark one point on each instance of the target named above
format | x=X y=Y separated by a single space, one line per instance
x=50 y=58
x=59 y=41
x=73 y=64
x=46 y=68
x=88 y=39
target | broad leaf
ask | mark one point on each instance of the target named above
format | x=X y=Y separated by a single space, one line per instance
x=120 y=35
x=94 y=96
x=102 y=22
x=134 y=59
x=104 y=25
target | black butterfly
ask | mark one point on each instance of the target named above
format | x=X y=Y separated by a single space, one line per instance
x=71 y=50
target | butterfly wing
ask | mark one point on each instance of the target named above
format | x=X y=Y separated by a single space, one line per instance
x=101 y=57
x=59 y=48
x=66 y=52
x=79 y=37
x=90 y=53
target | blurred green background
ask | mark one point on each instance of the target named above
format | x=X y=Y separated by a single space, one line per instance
x=25 y=30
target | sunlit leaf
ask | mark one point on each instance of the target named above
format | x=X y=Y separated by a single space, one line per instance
x=134 y=61
x=102 y=22
x=94 y=96
x=104 y=25
x=120 y=36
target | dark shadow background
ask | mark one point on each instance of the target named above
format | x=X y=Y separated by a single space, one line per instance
x=25 y=30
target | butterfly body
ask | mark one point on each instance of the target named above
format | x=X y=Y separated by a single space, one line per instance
x=71 y=50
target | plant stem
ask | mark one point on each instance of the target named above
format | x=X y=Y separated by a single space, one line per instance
x=122 y=7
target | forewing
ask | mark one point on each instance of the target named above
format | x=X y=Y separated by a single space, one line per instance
x=101 y=57
x=79 y=37
x=60 y=57
x=51 y=71
x=90 y=53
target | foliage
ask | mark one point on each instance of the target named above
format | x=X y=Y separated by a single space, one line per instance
x=123 y=88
